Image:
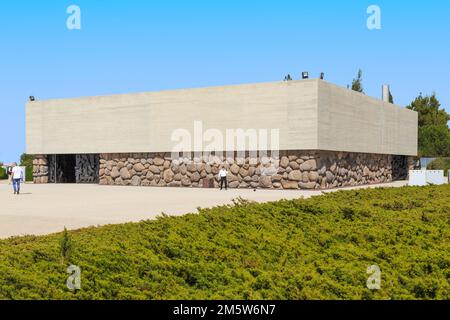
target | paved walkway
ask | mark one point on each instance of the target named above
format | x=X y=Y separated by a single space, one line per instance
x=44 y=209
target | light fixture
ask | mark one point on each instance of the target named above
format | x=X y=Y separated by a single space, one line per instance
x=305 y=75
x=32 y=98
x=322 y=76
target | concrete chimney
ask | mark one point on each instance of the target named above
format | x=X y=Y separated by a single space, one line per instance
x=385 y=93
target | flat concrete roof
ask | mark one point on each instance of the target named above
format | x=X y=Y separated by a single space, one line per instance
x=308 y=114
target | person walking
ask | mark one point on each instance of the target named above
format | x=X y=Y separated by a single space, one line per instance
x=17 y=177
x=223 y=174
x=9 y=172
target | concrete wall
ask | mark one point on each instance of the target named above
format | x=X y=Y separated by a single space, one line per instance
x=310 y=114
x=144 y=122
x=353 y=122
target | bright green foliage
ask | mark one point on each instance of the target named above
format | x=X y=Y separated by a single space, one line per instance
x=29 y=174
x=434 y=141
x=65 y=246
x=26 y=160
x=434 y=134
x=3 y=174
x=440 y=164
x=429 y=111
x=317 y=248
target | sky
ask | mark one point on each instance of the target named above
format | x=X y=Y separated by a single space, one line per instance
x=134 y=46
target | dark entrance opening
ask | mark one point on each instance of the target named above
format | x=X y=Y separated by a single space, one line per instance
x=61 y=168
x=399 y=168
x=73 y=168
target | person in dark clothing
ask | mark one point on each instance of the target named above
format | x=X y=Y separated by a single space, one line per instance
x=223 y=174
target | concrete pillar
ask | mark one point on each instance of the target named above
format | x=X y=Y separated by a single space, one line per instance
x=385 y=93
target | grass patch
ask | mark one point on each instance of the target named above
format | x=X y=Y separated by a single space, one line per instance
x=317 y=248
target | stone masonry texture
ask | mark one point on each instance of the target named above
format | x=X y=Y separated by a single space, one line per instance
x=296 y=170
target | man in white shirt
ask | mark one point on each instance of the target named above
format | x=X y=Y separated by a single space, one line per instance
x=223 y=173
x=17 y=177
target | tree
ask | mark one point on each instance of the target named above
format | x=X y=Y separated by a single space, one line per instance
x=429 y=111
x=26 y=160
x=434 y=141
x=357 y=83
x=434 y=134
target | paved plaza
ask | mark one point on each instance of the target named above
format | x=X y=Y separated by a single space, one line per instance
x=48 y=208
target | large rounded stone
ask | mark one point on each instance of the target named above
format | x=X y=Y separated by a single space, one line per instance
x=125 y=174
x=158 y=161
x=289 y=184
x=175 y=169
x=234 y=184
x=265 y=182
x=307 y=185
x=115 y=173
x=234 y=169
x=150 y=176
x=191 y=167
x=168 y=176
x=166 y=164
x=284 y=162
x=195 y=177
x=305 y=176
x=313 y=176
x=138 y=167
x=294 y=165
x=136 y=181
x=295 y=175
x=366 y=172
x=329 y=176
x=277 y=177
x=309 y=165
x=243 y=172
x=154 y=169
x=186 y=182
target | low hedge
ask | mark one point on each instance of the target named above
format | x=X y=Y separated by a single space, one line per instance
x=3 y=174
x=318 y=248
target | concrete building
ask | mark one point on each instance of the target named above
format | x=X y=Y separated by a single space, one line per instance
x=327 y=136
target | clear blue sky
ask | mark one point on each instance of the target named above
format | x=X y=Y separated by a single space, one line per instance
x=133 y=46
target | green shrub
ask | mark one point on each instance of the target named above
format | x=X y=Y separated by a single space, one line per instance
x=26 y=160
x=440 y=164
x=29 y=174
x=3 y=174
x=278 y=250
